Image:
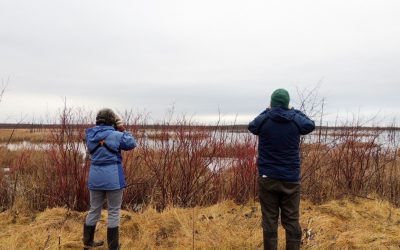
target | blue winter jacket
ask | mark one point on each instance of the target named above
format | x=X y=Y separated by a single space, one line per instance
x=106 y=172
x=279 y=131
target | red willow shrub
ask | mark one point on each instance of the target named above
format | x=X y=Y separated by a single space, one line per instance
x=242 y=173
x=350 y=164
x=5 y=187
x=138 y=178
x=182 y=163
x=4 y=192
x=68 y=167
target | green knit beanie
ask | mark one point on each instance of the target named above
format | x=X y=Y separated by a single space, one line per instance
x=280 y=98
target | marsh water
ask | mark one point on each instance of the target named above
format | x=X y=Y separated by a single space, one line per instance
x=384 y=138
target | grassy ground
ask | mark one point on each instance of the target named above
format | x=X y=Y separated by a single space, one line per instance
x=344 y=224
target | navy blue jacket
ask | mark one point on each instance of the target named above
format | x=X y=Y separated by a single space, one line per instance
x=279 y=131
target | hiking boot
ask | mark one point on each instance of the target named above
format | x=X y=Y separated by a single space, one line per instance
x=88 y=236
x=113 y=238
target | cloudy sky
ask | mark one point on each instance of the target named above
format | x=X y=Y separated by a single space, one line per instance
x=202 y=57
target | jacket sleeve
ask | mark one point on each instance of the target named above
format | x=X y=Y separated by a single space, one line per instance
x=305 y=124
x=254 y=126
x=127 y=141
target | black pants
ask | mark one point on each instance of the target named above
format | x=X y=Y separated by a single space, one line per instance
x=284 y=196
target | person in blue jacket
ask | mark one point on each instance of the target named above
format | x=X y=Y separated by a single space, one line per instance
x=106 y=176
x=279 y=129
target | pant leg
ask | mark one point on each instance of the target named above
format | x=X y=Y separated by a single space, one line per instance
x=114 y=200
x=269 y=200
x=289 y=204
x=96 y=203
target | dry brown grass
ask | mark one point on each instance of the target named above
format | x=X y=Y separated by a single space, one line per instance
x=345 y=224
x=19 y=135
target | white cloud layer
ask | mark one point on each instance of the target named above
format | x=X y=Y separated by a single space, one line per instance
x=201 y=56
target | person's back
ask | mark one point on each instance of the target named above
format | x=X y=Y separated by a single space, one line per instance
x=279 y=129
x=105 y=144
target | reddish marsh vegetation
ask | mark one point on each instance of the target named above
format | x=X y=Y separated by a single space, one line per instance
x=351 y=164
x=190 y=165
x=182 y=163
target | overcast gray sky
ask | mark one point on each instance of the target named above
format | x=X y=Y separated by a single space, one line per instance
x=203 y=57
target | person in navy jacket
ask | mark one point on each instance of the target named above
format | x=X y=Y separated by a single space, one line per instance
x=279 y=129
x=106 y=176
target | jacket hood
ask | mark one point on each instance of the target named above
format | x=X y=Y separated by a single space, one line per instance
x=280 y=114
x=98 y=133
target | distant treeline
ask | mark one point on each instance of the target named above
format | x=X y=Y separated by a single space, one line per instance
x=137 y=126
x=238 y=127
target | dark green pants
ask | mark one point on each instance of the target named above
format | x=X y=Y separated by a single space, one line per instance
x=280 y=196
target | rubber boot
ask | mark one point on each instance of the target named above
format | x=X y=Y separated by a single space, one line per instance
x=270 y=240
x=88 y=236
x=113 y=238
x=293 y=241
